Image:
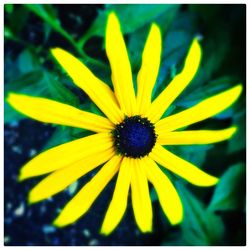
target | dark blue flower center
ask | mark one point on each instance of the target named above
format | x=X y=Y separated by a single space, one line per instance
x=134 y=137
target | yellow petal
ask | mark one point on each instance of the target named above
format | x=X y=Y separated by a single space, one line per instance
x=140 y=197
x=83 y=200
x=49 y=111
x=203 y=110
x=167 y=194
x=66 y=154
x=195 y=137
x=120 y=66
x=60 y=179
x=118 y=203
x=178 y=84
x=99 y=92
x=149 y=69
x=184 y=169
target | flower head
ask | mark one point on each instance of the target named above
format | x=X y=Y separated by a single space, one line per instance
x=129 y=141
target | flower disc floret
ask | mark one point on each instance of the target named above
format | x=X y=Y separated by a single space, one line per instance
x=134 y=137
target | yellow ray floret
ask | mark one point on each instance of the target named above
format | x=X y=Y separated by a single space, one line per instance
x=99 y=92
x=83 y=200
x=195 y=137
x=203 y=110
x=120 y=66
x=49 y=111
x=177 y=85
x=140 y=197
x=119 y=200
x=167 y=194
x=149 y=69
x=66 y=154
x=184 y=169
x=57 y=182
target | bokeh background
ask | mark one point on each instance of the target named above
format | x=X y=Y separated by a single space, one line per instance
x=213 y=216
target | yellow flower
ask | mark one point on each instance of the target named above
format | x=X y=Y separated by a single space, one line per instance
x=129 y=141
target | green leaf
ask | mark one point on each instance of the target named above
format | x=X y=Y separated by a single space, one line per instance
x=200 y=226
x=196 y=154
x=230 y=192
x=131 y=16
x=30 y=84
x=58 y=92
x=40 y=84
x=200 y=92
x=8 y=33
x=21 y=14
x=10 y=114
x=173 y=239
x=153 y=195
x=27 y=61
x=32 y=79
x=8 y=8
x=47 y=13
x=138 y=37
x=175 y=47
x=238 y=141
x=61 y=135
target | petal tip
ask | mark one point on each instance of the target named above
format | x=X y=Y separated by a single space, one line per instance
x=177 y=219
x=155 y=27
x=62 y=221
x=105 y=232
x=176 y=222
x=32 y=197
x=31 y=201
x=156 y=31
x=112 y=15
x=238 y=89
x=57 y=223
x=112 y=18
x=233 y=93
x=233 y=130
x=147 y=229
x=213 y=181
x=21 y=177
x=216 y=180
x=54 y=51
x=11 y=97
x=196 y=45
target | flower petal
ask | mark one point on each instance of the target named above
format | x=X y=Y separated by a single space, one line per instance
x=149 y=69
x=182 y=168
x=140 y=197
x=177 y=85
x=66 y=154
x=49 y=111
x=120 y=66
x=99 y=92
x=57 y=182
x=118 y=203
x=83 y=200
x=201 y=111
x=195 y=137
x=168 y=196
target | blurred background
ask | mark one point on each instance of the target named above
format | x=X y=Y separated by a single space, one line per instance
x=213 y=216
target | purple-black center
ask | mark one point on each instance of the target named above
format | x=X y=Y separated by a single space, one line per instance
x=134 y=137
